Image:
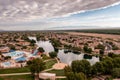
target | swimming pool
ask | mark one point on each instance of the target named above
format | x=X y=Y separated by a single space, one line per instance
x=15 y=54
x=21 y=59
x=5 y=64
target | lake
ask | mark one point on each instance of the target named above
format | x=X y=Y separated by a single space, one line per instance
x=64 y=57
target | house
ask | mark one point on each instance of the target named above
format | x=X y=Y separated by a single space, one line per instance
x=4 y=49
x=45 y=76
x=116 y=51
x=96 y=51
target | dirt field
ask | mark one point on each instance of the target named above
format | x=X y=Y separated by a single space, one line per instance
x=116 y=37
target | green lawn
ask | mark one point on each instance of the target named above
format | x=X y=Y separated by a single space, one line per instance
x=14 y=70
x=57 y=72
x=17 y=77
x=50 y=63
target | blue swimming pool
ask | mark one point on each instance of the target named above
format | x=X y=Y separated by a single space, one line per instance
x=15 y=54
x=21 y=59
x=7 y=63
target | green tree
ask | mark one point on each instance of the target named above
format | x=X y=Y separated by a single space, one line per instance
x=40 y=49
x=80 y=76
x=89 y=50
x=108 y=66
x=36 y=65
x=86 y=49
x=114 y=47
x=101 y=52
x=116 y=62
x=67 y=69
x=12 y=47
x=70 y=76
x=98 y=68
x=81 y=66
x=55 y=42
x=53 y=54
x=7 y=57
x=112 y=55
x=0 y=53
x=76 y=76
x=116 y=72
x=100 y=46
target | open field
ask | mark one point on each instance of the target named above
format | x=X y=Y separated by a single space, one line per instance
x=110 y=36
x=100 y=31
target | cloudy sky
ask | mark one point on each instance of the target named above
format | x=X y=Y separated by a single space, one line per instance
x=59 y=14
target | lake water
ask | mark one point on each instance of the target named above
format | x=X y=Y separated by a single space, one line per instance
x=64 y=57
x=46 y=45
x=69 y=57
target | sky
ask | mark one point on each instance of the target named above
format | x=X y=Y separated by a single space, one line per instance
x=59 y=15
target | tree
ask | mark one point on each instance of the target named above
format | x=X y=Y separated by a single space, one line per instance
x=97 y=68
x=76 y=76
x=89 y=50
x=81 y=66
x=114 y=47
x=67 y=69
x=86 y=49
x=38 y=37
x=80 y=76
x=101 y=52
x=55 y=43
x=108 y=66
x=116 y=72
x=112 y=55
x=53 y=54
x=7 y=57
x=12 y=47
x=0 y=53
x=100 y=46
x=32 y=41
x=70 y=76
x=36 y=65
x=40 y=49
x=116 y=62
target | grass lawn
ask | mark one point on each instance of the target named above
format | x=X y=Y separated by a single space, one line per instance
x=50 y=63
x=57 y=72
x=14 y=70
x=17 y=77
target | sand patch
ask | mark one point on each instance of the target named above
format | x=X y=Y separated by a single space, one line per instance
x=59 y=66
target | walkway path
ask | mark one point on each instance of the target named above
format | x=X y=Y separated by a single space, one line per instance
x=60 y=77
x=48 y=60
x=11 y=74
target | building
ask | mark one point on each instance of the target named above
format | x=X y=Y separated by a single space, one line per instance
x=45 y=76
x=4 y=49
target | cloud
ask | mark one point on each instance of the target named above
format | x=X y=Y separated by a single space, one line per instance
x=27 y=10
